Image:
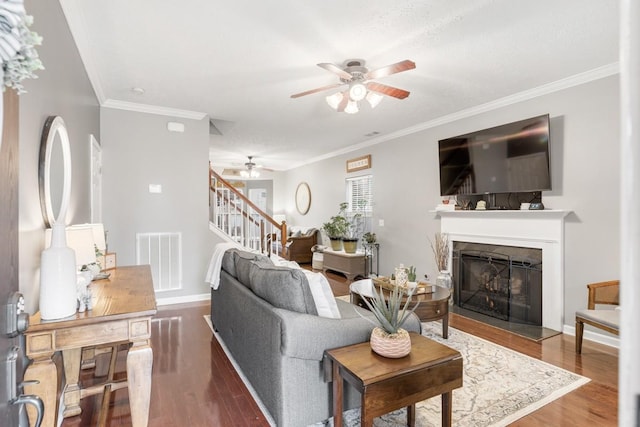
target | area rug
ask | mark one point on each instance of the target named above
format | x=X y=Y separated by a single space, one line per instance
x=499 y=386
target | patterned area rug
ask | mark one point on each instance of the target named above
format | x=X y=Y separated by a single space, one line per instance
x=500 y=386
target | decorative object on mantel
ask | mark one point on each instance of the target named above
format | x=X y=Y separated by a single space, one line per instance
x=388 y=339
x=17 y=52
x=441 y=251
x=58 y=263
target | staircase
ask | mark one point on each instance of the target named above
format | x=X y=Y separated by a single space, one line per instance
x=240 y=220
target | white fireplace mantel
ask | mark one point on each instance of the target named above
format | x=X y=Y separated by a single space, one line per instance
x=543 y=229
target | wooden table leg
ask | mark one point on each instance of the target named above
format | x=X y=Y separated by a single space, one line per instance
x=447 y=403
x=44 y=375
x=139 y=364
x=366 y=419
x=338 y=387
x=411 y=415
x=71 y=391
x=445 y=326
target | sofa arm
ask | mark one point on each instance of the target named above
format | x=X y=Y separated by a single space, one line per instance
x=305 y=336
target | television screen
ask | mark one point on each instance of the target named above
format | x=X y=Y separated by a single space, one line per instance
x=504 y=159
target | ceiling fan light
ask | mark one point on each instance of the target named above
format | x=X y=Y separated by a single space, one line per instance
x=254 y=173
x=244 y=173
x=357 y=92
x=334 y=100
x=374 y=99
x=351 y=108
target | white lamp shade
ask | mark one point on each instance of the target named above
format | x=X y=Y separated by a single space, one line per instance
x=351 y=108
x=80 y=239
x=334 y=100
x=374 y=99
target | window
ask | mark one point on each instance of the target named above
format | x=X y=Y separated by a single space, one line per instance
x=360 y=195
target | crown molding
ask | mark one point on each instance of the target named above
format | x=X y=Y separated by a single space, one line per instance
x=153 y=109
x=566 y=83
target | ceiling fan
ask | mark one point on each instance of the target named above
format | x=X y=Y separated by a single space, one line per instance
x=360 y=84
x=250 y=170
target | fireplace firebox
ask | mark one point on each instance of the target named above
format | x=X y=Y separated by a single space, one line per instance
x=503 y=282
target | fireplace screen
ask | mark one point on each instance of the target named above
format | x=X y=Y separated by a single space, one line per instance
x=499 y=281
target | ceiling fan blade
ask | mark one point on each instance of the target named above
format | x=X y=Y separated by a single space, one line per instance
x=387 y=90
x=344 y=102
x=336 y=70
x=398 y=67
x=320 y=89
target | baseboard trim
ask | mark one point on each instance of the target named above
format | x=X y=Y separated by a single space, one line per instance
x=182 y=300
x=609 y=340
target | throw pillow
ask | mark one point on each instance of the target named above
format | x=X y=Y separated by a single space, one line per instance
x=243 y=265
x=281 y=262
x=282 y=287
x=322 y=295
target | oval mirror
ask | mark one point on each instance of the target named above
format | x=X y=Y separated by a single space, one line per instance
x=54 y=172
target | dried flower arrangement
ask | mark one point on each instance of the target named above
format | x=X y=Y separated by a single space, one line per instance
x=441 y=250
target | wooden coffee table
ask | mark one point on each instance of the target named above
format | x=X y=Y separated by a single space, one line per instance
x=433 y=306
x=385 y=385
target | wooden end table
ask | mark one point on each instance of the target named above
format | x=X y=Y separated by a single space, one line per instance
x=433 y=306
x=385 y=385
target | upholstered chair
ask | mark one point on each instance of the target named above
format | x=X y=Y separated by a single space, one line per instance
x=605 y=319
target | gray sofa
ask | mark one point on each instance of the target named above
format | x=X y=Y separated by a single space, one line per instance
x=267 y=318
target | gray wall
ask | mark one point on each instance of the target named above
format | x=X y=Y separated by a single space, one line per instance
x=138 y=150
x=584 y=163
x=62 y=89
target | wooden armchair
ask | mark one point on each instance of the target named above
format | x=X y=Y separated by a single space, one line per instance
x=298 y=248
x=608 y=320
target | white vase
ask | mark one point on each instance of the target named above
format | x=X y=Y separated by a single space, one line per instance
x=444 y=280
x=58 y=279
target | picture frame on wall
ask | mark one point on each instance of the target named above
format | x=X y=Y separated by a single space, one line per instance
x=359 y=163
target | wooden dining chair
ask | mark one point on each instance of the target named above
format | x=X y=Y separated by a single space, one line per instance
x=605 y=319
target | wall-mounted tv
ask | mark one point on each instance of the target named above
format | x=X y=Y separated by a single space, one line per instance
x=510 y=158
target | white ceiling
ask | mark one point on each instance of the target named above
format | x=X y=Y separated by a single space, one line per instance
x=240 y=60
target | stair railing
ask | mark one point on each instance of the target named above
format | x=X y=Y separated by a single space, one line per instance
x=240 y=219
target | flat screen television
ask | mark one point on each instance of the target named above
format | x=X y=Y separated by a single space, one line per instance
x=510 y=158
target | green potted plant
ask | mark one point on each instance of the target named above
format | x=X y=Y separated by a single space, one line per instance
x=336 y=227
x=388 y=339
x=352 y=233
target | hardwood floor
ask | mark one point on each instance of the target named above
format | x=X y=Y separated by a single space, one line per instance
x=195 y=385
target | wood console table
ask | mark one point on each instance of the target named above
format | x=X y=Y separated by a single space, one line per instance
x=123 y=306
x=351 y=265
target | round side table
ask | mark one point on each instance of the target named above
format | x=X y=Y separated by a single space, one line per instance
x=433 y=306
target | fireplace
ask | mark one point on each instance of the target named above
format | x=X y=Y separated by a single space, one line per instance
x=543 y=230
x=503 y=282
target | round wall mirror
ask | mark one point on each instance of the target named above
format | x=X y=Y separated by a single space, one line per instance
x=54 y=172
x=303 y=198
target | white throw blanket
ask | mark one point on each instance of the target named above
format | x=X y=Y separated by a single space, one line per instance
x=215 y=265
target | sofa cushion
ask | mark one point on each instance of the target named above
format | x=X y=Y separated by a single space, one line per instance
x=243 y=262
x=282 y=287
